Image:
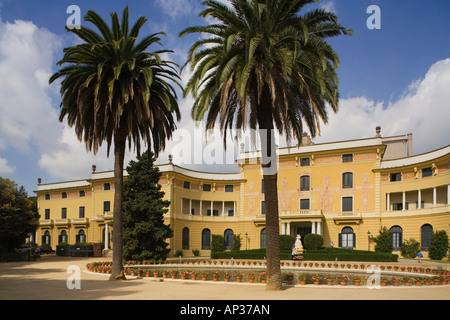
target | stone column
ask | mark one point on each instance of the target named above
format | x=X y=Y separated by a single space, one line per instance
x=404 y=201
x=313 y=227
x=106 y=236
x=388 y=201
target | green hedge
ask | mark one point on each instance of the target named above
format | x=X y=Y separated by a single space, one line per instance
x=326 y=254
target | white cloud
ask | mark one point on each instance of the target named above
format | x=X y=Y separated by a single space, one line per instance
x=5 y=169
x=26 y=59
x=328 y=6
x=175 y=8
x=424 y=110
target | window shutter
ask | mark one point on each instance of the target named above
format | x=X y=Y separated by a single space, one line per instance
x=340 y=240
x=354 y=240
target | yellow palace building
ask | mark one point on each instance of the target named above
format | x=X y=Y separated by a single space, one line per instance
x=344 y=191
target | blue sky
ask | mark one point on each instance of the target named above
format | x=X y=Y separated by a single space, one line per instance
x=397 y=77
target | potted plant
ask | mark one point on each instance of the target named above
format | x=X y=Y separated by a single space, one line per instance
x=356 y=280
x=238 y=276
x=173 y=274
x=156 y=274
x=288 y=278
x=205 y=275
x=406 y=281
x=329 y=279
x=343 y=279
x=395 y=281
x=216 y=275
x=226 y=276
x=383 y=281
x=302 y=278
x=183 y=274
x=263 y=277
x=316 y=279
x=418 y=281
x=427 y=281
x=193 y=274
x=251 y=278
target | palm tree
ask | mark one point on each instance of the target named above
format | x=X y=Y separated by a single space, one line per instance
x=265 y=67
x=114 y=91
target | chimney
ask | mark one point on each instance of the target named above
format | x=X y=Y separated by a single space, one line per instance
x=409 y=146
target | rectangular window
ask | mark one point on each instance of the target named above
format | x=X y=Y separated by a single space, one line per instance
x=263 y=207
x=396 y=176
x=304 y=162
x=304 y=183
x=106 y=186
x=231 y=213
x=304 y=204
x=399 y=206
x=82 y=193
x=427 y=172
x=347 y=204
x=64 y=195
x=192 y=211
x=47 y=196
x=229 y=188
x=186 y=185
x=206 y=187
x=81 y=212
x=106 y=206
x=262 y=186
x=347 y=158
x=63 y=213
x=215 y=213
x=347 y=180
x=47 y=214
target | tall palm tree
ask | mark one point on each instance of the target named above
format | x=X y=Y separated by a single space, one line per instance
x=113 y=90
x=265 y=67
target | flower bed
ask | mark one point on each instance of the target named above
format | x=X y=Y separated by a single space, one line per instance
x=304 y=273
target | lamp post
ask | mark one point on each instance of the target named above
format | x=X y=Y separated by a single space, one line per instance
x=246 y=236
x=368 y=236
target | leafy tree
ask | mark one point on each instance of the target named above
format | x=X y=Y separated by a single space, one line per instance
x=144 y=231
x=113 y=90
x=410 y=248
x=265 y=67
x=17 y=217
x=439 y=245
x=383 y=242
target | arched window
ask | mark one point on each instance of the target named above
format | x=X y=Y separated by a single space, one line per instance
x=347 y=180
x=263 y=238
x=397 y=237
x=206 y=239
x=62 y=237
x=228 y=239
x=81 y=236
x=347 y=238
x=426 y=233
x=304 y=183
x=185 y=239
x=46 y=238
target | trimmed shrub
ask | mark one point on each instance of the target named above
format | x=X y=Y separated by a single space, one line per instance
x=217 y=243
x=286 y=242
x=439 y=245
x=313 y=241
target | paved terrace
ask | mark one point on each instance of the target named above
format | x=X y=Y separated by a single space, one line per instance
x=46 y=280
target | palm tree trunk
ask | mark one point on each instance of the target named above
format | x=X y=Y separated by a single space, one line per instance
x=270 y=175
x=117 y=272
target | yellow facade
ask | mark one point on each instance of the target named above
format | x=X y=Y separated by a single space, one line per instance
x=343 y=190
